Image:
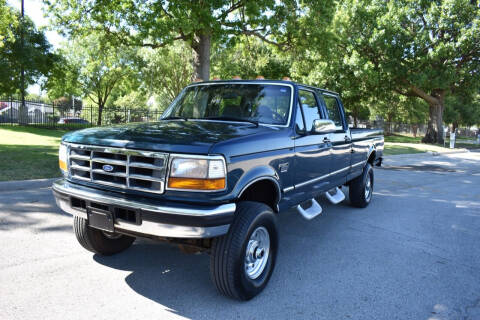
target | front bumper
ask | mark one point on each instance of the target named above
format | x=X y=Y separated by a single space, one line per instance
x=144 y=216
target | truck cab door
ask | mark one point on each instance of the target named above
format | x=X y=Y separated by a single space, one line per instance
x=312 y=150
x=341 y=139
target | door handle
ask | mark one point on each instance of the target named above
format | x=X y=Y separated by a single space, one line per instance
x=347 y=138
x=326 y=140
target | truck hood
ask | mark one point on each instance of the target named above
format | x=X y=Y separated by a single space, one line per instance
x=167 y=135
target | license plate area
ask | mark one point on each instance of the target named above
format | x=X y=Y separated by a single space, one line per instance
x=100 y=219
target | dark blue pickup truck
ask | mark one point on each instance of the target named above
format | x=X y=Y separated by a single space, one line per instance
x=213 y=173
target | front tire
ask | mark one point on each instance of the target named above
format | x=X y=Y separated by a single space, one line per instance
x=243 y=260
x=361 y=188
x=98 y=241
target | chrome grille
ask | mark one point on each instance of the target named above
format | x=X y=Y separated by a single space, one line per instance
x=122 y=168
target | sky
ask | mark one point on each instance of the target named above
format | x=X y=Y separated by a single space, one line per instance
x=34 y=9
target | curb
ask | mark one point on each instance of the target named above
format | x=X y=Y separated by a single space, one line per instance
x=26 y=184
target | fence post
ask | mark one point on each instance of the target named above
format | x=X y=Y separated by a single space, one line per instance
x=91 y=116
x=11 y=112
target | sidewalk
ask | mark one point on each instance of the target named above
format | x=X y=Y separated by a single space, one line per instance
x=25 y=184
x=428 y=147
x=458 y=161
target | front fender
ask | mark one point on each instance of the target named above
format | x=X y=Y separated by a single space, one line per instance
x=254 y=175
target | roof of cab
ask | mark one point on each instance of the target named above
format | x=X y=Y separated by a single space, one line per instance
x=263 y=81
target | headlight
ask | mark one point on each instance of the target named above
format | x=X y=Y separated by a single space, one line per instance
x=197 y=173
x=62 y=158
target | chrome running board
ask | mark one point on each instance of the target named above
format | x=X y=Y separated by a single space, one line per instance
x=314 y=210
x=335 y=195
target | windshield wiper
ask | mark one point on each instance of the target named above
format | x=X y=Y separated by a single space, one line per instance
x=227 y=118
x=175 y=118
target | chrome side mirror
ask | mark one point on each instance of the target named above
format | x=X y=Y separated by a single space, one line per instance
x=324 y=126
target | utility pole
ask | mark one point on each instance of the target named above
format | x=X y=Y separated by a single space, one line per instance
x=23 y=111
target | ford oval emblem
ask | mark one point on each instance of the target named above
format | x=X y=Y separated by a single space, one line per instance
x=107 y=168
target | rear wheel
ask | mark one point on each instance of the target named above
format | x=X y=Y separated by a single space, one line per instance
x=361 y=188
x=98 y=241
x=243 y=260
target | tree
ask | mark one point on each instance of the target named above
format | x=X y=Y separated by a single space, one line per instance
x=35 y=55
x=198 y=23
x=248 y=58
x=97 y=68
x=332 y=70
x=462 y=109
x=8 y=23
x=421 y=49
x=166 y=71
x=64 y=78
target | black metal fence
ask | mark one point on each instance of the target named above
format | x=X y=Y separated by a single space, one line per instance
x=412 y=129
x=51 y=115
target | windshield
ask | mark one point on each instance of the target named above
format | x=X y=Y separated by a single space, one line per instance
x=263 y=103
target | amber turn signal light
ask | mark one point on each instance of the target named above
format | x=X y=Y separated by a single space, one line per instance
x=196 y=184
x=62 y=165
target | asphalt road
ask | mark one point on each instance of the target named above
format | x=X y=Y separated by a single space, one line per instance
x=414 y=253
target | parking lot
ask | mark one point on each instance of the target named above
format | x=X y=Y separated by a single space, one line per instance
x=414 y=253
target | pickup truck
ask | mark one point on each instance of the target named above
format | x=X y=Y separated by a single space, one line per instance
x=213 y=173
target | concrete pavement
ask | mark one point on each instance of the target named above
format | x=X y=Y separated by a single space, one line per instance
x=414 y=253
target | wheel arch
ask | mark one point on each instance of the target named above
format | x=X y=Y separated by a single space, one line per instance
x=372 y=154
x=259 y=189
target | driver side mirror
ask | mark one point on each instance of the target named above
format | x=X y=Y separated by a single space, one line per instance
x=324 y=126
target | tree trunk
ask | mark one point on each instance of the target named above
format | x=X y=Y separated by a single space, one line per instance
x=201 y=56
x=434 y=132
x=414 y=130
x=100 y=111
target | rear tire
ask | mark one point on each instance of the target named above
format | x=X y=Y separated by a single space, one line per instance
x=243 y=260
x=98 y=241
x=361 y=188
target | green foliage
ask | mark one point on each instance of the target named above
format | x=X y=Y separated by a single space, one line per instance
x=96 y=67
x=166 y=71
x=34 y=54
x=197 y=23
x=64 y=77
x=132 y=100
x=422 y=49
x=8 y=23
x=249 y=58
x=463 y=109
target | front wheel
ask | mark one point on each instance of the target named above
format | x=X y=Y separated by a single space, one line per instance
x=361 y=188
x=243 y=260
x=99 y=241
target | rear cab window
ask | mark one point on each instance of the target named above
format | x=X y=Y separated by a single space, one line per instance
x=310 y=108
x=334 y=112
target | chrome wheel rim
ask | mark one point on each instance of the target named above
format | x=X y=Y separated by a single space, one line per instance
x=257 y=252
x=368 y=188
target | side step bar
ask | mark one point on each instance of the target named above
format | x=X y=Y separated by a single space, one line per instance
x=310 y=213
x=335 y=195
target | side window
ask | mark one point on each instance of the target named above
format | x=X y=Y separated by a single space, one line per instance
x=299 y=124
x=333 y=111
x=310 y=108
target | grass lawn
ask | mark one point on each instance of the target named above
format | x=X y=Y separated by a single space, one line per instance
x=29 y=153
x=402 y=138
x=391 y=150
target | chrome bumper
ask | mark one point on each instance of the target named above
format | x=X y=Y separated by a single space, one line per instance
x=182 y=221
